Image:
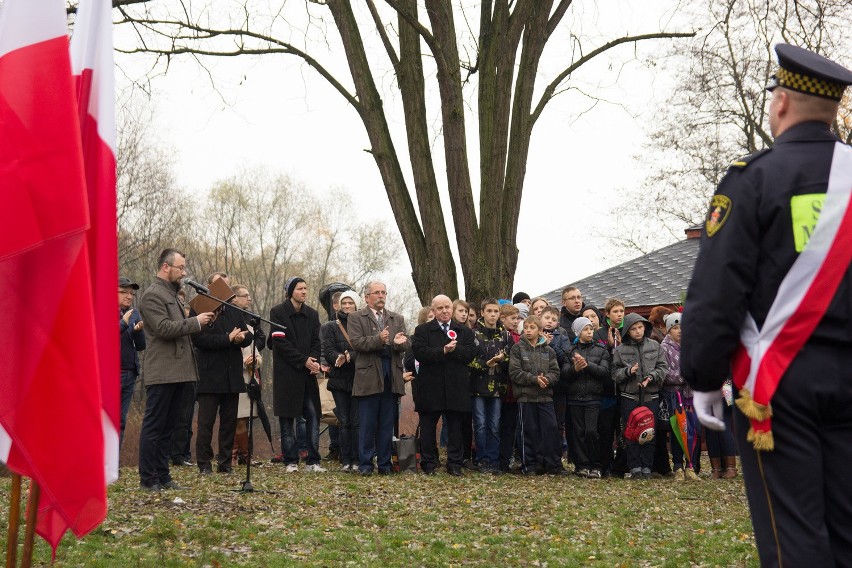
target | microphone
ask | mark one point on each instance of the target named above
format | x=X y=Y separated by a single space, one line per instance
x=198 y=287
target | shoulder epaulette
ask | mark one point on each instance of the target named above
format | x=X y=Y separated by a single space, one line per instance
x=746 y=160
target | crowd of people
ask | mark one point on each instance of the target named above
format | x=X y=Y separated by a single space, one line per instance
x=516 y=386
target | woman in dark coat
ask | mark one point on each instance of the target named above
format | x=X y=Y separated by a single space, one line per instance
x=340 y=357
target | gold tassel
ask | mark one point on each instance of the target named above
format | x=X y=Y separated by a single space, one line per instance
x=762 y=441
x=752 y=409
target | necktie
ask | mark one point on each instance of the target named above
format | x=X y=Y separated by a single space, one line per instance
x=380 y=320
x=445 y=327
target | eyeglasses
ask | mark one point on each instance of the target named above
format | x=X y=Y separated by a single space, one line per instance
x=243 y=295
x=181 y=268
x=126 y=292
x=379 y=293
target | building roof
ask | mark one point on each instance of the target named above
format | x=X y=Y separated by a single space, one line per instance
x=657 y=278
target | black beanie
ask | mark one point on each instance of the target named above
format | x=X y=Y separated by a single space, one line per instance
x=291 y=284
x=520 y=297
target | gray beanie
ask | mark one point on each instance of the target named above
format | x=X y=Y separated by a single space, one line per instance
x=523 y=309
x=672 y=320
x=579 y=324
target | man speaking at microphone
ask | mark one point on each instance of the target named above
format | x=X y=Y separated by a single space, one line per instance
x=169 y=367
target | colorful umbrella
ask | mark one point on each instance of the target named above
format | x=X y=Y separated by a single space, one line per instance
x=685 y=429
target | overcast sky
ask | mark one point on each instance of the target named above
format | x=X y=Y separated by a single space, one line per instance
x=276 y=113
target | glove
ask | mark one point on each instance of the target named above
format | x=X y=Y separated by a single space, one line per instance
x=708 y=408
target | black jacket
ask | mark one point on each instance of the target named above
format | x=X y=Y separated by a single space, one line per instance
x=443 y=380
x=485 y=380
x=291 y=380
x=220 y=362
x=587 y=384
x=334 y=343
x=751 y=249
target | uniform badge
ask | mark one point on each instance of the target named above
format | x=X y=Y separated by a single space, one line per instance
x=720 y=209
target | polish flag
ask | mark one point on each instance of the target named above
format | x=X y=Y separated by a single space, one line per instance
x=92 y=66
x=50 y=406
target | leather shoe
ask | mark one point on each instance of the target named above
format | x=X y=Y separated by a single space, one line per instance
x=224 y=469
x=455 y=471
x=171 y=485
x=206 y=470
x=152 y=488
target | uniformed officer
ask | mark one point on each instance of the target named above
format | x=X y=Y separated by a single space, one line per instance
x=771 y=302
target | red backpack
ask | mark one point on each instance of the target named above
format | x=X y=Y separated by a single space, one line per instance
x=640 y=425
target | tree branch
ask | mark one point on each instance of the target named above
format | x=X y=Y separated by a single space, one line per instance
x=384 y=35
x=415 y=23
x=557 y=16
x=551 y=88
x=284 y=47
x=115 y=4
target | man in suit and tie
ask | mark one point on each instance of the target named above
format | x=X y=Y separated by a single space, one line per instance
x=378 y=335
x=443 y=348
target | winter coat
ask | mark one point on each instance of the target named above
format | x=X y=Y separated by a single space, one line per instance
x=647 y=353
x=291 y=380
x=674 y=381
x=131 y=341
x=484 y=380
x=169 y=355
x=364 y=333
x=526 y=362
x=561 y=343
x=334 y=343
x=220 y=362
x=443 y=379
x=588 y=383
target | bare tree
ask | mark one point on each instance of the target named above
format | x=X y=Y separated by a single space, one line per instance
x=718 y=111
x=503 y=59
x=151 y=209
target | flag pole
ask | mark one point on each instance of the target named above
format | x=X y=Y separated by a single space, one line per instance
x=32 y=519
x=14 y=517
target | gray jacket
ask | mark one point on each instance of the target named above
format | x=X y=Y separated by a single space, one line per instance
x=525 y=364
x=169 y=357
x=652 y=362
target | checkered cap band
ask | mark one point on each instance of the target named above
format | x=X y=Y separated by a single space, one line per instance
x=809 y=85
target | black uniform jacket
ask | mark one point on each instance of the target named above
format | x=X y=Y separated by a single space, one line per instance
x=759 y=219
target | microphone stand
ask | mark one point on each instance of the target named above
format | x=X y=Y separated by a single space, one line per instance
x=246 y=486
x=252 y=315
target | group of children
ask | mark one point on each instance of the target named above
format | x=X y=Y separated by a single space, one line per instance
x=532 y=379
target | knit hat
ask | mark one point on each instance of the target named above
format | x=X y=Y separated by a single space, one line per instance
x=520 y=297
x=351 y=295
x=579 y=324
x=523 y=309
x=291 y=284
x=672 y=320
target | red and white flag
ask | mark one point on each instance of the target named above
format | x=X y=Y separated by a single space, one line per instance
x=50 y=406
x=92 y=66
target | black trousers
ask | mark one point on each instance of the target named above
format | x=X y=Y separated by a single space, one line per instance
x=799 y=494
x=429 y=439
x=542 y=449
x=584 y=434
x=208 y=404
x=182 y=433
x=162 y=405
x=508 y=429
x=639 y=456
x=607 y=429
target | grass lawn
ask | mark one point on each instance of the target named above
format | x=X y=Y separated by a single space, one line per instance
x=337 y=519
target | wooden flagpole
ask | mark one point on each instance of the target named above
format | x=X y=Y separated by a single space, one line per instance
x=32 y=519
x=14 y=516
